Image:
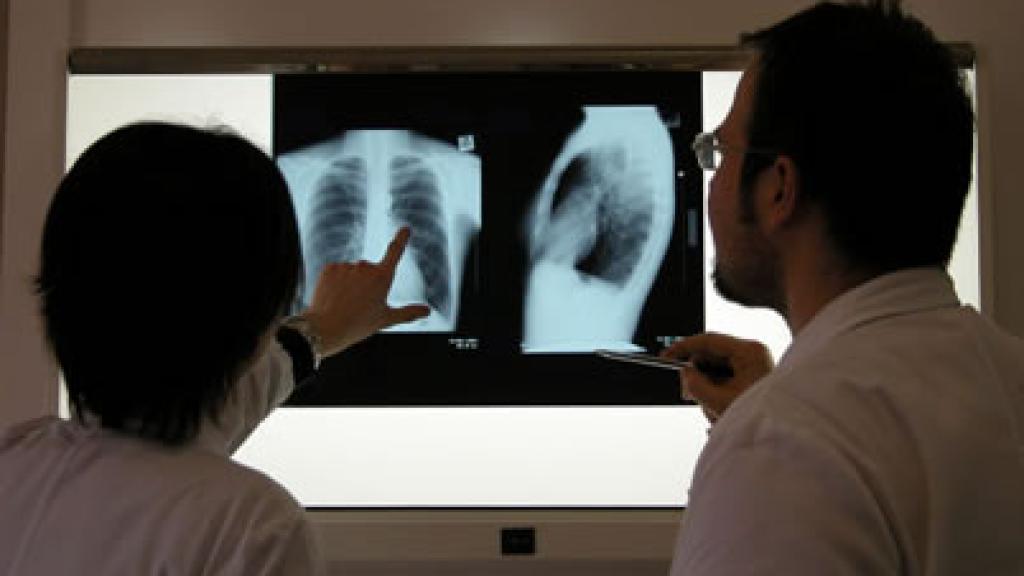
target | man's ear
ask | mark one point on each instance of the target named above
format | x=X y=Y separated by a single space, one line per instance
x=780 y=193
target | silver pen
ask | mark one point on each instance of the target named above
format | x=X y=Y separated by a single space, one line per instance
x=644 y=359
x=714 y=370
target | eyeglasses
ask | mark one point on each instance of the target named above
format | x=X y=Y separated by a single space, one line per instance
x=708 y=150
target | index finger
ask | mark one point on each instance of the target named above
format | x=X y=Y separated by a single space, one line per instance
x=396 y=248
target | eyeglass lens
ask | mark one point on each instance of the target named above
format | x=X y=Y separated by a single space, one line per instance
x=706 y=148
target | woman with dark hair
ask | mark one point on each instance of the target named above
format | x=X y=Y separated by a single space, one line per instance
x=170 y=259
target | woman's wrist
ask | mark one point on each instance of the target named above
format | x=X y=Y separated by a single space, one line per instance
x=306 y=327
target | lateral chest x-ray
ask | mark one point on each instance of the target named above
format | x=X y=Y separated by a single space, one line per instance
x=550 y=217
x=598 y=232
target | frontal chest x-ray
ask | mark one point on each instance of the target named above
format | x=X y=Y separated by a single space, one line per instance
x=353 y=191
x=598 y=231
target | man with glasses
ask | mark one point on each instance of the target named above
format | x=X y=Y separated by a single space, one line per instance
x=888 y=440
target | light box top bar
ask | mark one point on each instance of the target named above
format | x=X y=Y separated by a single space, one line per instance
x=394 y=59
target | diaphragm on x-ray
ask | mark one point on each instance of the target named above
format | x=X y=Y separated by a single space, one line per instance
x=597 y=232
x=352 y=193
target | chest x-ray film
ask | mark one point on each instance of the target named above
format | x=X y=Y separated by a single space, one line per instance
x=552 y=214
x=598 y=231
x=353 y=191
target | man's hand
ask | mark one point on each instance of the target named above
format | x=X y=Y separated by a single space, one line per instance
x=350 y=300
x=748 y=360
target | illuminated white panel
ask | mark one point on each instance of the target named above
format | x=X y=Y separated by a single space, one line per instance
x=964 y=266
x=397 y=457
x=601 y=457
x=100 y=103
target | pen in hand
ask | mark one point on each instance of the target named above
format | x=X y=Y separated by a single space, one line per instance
x=712 y=370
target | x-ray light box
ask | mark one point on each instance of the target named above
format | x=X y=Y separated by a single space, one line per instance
x=552 y=214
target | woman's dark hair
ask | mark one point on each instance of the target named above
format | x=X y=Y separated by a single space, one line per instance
x=873 y=111
x=167 y=253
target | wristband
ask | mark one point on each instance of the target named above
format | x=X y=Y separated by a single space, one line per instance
x=301 y=327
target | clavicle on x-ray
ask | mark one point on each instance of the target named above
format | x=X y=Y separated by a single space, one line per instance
x=597 y=232
x=353 y=192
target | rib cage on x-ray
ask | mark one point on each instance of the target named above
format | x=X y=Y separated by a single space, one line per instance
x=337 y=215
x=595 y=183
x=351 y=194
x=416 y=202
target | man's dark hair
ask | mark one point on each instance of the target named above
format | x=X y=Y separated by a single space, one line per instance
x=167 y=253
x=873 y=111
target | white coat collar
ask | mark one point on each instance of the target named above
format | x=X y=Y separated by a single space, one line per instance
x=897 y=293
